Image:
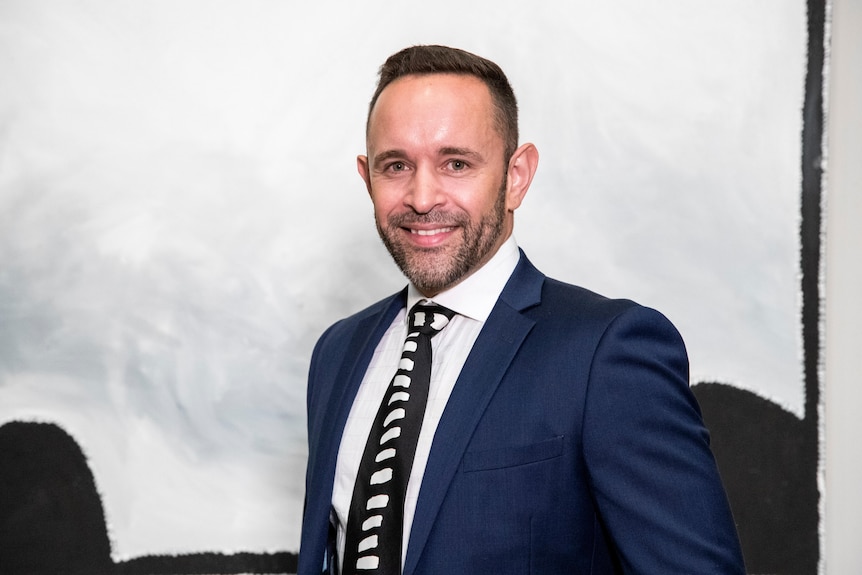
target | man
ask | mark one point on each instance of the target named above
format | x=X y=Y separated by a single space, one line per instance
x=558 y=435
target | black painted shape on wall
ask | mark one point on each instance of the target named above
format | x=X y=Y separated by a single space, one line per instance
x=52 y=520
x=209 y=563
x=768 y=462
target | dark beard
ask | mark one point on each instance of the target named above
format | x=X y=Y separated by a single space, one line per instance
x=432 y=275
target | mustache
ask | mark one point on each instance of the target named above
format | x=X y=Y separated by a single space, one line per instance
x=432 y=217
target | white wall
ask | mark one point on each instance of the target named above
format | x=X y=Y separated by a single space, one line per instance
x=843 y=495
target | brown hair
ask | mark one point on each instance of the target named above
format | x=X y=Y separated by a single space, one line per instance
x=418 y=60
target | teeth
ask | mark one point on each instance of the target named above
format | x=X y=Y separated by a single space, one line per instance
x=431 y=232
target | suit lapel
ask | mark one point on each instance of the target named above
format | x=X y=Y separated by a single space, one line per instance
x=493 y=352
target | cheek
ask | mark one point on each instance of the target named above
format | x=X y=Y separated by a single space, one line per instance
x=477 y=198
x=386 y=200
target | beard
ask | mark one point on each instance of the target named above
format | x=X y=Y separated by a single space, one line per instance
x=434 y=269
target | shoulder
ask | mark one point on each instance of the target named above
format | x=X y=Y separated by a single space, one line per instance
x=582 y=300
x=531 y=291
x=615 y=332
x=374 y=311
x=567 y=308
x=572 y=303
x=346 y=343
x=362 y=323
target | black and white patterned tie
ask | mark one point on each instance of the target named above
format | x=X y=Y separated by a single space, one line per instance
x=375 y=523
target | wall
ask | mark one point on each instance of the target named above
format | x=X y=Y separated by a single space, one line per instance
x=843 y=367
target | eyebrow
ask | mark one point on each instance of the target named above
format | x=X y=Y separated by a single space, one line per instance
x=444 y=151
x=466 y=152
x=388 y=155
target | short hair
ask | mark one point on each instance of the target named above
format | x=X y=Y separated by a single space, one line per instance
x=423 y=60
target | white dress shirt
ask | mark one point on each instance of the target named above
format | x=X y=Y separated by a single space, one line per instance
x=472 y=300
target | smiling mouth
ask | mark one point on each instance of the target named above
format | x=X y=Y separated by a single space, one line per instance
x=431 y=232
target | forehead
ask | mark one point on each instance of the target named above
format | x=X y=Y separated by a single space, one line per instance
x=430 y=105
x=438 y=84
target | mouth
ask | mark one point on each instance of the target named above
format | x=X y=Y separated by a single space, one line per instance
x=425 y=237
x=433 y=232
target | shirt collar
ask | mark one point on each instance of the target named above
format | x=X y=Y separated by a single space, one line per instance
x=476 y=296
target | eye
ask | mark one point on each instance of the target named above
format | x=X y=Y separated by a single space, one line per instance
x=457 y=165
x=397 y=166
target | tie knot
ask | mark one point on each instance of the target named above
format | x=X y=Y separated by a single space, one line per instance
x=429 y=318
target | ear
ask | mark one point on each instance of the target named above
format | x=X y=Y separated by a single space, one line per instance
x=364 y=171
x=522 y=167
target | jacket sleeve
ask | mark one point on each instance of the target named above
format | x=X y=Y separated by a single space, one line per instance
x=653 y=477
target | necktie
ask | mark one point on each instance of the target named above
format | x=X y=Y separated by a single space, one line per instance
x=375 y=521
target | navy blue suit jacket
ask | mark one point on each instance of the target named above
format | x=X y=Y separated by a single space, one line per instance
x=571 y=443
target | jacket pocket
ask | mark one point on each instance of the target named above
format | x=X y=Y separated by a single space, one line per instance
x=512 y=456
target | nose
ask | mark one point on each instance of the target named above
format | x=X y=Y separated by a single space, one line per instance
x=425 y=192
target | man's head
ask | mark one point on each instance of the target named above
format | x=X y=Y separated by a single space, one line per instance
x=439 y=169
